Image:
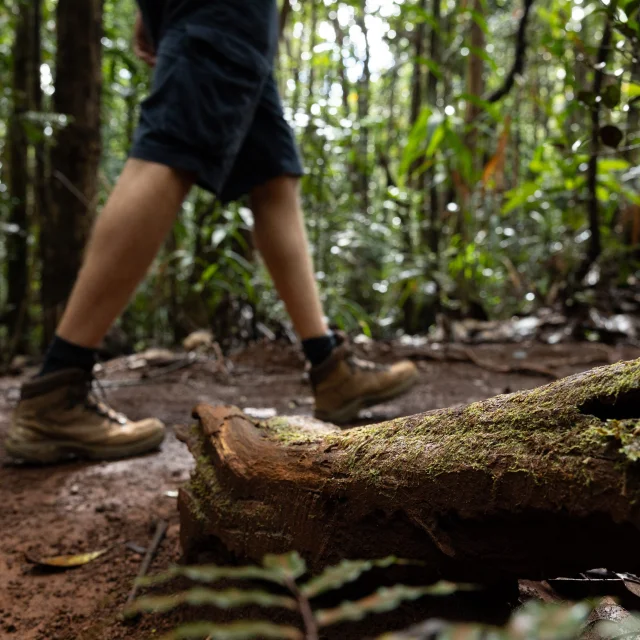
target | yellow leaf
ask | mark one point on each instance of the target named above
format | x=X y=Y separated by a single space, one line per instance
x=69 y=561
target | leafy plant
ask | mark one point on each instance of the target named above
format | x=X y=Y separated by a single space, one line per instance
x=535 y=620
x=284 y=571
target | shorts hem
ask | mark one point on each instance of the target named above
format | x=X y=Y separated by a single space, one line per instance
x=237 y=192
x=169 y=158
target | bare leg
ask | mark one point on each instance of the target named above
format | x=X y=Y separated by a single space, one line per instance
x=126 y=238
x=281 y=238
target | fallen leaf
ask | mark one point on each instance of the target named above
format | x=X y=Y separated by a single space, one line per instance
x=65 y=562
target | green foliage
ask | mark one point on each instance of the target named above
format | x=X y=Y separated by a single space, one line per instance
x=343 y=573
x=383 y=147
x=222 y=599
x=534 y=620
x=385 y=599
x=282 y=570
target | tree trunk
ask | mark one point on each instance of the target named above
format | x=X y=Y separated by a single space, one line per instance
x=364 y=96
x=17 y=245
x=593 y=207
x=534 y=484
x=431 y=221
x=409 y=306
x=342 y=71
x=76 y=154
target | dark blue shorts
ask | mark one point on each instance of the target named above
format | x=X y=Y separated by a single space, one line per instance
x=214 y=111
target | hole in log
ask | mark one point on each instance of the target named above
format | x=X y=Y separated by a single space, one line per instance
x=625 y=406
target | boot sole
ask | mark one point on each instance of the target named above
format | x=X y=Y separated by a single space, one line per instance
x=351 y=410
x=53 y=451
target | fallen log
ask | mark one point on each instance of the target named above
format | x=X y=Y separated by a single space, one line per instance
x=535 y=484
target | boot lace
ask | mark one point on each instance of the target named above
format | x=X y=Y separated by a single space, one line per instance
x=357 y=364
x=94 y=399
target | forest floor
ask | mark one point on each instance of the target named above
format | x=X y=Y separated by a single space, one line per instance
x=82 y=507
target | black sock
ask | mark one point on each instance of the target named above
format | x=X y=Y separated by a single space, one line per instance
x=66 y=355
x=317 y=350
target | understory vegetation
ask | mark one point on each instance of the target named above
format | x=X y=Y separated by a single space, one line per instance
x=464 y=159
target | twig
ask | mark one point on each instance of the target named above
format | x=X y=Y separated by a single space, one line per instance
x=170 y=368
x=161 y=530
x=572 y=362
x=148 y=378
x=507 y=368
x=465 y=354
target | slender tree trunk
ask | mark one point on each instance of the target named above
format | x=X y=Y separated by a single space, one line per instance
x=364 y=91
x=41 y=190
x=593 y=207
x=632 y=237
x=431 y=222
x=342 y=71
x=475 y=87
x=633 y=116
x=76 y=154
x=285 y=11
x=17 y=245
x=417 y=97
x=41 y=184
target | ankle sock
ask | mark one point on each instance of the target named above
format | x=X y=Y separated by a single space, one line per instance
x=317 y=350
x=62 y=354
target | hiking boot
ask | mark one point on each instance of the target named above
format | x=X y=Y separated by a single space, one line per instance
x=59 y=417
x=344 y=384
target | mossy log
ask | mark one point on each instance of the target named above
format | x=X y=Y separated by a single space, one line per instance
x=534 y=484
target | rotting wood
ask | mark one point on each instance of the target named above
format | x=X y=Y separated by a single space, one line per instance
x=525 y=485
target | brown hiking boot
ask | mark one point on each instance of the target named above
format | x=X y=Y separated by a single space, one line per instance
x=58 y=417
x=344 y=384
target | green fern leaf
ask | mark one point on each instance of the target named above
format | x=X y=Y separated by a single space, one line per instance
x=225 y=599
x=385 y=599
x=345 y=572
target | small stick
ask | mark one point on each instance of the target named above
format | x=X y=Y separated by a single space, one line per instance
x=161 y=530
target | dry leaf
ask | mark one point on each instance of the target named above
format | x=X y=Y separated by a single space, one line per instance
x=65 y=562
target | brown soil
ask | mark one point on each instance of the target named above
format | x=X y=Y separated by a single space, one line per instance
x=80 y=507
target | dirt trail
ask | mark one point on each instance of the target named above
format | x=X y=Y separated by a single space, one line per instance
x=80 y=507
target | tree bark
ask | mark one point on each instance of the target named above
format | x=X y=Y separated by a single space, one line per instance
x=534 y=484
x=284 y=16
x=17 y=245
x=76 y=154
x=409 y=306
x=431 y=221
x=593 y=207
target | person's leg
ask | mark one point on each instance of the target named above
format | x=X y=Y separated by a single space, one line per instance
x=126 y=238
x=280 y=236
x=342 y=383
x=57 y=415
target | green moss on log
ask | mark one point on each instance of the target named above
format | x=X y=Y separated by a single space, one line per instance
x=511 y=431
